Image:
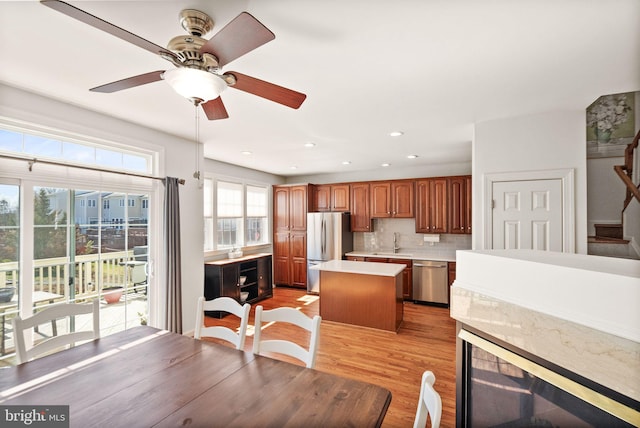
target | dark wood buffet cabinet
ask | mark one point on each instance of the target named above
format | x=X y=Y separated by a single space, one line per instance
x=222 y=278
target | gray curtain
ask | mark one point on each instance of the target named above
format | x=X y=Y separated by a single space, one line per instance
x=172 y=255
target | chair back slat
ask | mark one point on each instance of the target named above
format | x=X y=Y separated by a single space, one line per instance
x=223 y=304
x=290 y=316
x=51 y=315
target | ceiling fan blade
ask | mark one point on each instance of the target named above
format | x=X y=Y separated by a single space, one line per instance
x=268 y=90
x=214 y=109
x=129 y=82
x=243 y=34
x=103 y=25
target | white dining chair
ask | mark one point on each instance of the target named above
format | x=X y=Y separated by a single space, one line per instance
x=50 y=315
x=429 y=404
x=225 y=304
x=291 y=316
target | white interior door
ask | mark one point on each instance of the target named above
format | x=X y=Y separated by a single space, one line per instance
x=527 y=214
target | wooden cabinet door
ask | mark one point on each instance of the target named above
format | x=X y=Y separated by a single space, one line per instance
x=298 y=208
x=407 y=278
x=381 y=200
x=281 y=258
x=452 y=273
x=431 y=205
x=438 y=205
x=468 y=190
x=340 y=196
x=402 y=199
x=423 y=218
x=360 y=215
x=265 y=286
x=230 y=281
x=322 y=198
x=281 y=210
x=299 y=259
x=460 y=205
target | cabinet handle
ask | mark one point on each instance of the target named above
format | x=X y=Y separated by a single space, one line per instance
x=462 y=228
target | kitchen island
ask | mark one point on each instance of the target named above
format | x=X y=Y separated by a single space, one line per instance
x=361 y=293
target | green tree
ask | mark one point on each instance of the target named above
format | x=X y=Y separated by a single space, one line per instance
x=8 y=232
x=50 y=233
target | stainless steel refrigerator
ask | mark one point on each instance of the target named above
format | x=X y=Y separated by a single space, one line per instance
x=328 y=237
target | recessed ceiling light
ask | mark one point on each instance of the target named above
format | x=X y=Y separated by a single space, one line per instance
x=309 y=144
x=412 y=156
x=346 y=162
x=293 y=167
x=246 y=152
x=386 y=164
x=396 y=133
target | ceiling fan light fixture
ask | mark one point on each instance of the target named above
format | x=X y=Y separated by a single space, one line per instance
x=195 y=85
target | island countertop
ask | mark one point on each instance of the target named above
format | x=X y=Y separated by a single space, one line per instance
x=436 y=256
x=363 y=268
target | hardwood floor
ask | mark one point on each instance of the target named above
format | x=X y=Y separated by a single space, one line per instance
x=425 y=341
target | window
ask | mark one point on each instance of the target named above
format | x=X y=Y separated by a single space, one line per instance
x=42 y=145
x=257 y=215
x=229 y=210
x=235 y=214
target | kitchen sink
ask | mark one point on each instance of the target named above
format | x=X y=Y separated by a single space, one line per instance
x=392 y=254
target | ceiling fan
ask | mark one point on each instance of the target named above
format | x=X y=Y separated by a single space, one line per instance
x=198 y=61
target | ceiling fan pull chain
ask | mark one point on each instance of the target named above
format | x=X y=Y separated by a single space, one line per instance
x=196 y=174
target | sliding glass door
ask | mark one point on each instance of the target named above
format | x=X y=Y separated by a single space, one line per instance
x=9 y=257
x=81 y=245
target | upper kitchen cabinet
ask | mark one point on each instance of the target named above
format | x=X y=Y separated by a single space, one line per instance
x=290 y=205
x=392 y=199
x=360 y=211
x=460 y=204
x=334 y=197
x=298 y=205
x=431 y=205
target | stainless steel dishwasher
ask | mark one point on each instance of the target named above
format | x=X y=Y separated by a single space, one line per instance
x=430 y=284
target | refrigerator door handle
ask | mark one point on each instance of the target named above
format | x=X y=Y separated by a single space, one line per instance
x=323 y=237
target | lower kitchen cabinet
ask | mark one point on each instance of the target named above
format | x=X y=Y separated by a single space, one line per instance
x=407 y=273
x=222 y=278
x=407 y=278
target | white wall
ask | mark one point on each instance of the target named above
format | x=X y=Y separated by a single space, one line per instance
x=223 y=169
x=605 y=195
x=463 y=168
x=545 y=141
x=177 y=161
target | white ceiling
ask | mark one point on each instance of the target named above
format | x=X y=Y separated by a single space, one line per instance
x=430 y=68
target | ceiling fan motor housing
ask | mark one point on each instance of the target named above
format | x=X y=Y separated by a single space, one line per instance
x=188 y=48
x=195 y=22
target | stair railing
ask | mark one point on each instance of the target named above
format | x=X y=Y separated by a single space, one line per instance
x=625 y=172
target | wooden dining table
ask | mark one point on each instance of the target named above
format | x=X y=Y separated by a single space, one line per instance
x=145 y=377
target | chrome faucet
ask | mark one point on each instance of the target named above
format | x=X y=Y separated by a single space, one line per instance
x=396 y=247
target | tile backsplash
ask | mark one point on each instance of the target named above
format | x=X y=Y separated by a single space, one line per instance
x=381 y=239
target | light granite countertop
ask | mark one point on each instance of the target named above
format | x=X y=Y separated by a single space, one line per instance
x=448 y=256
x=363 y=268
